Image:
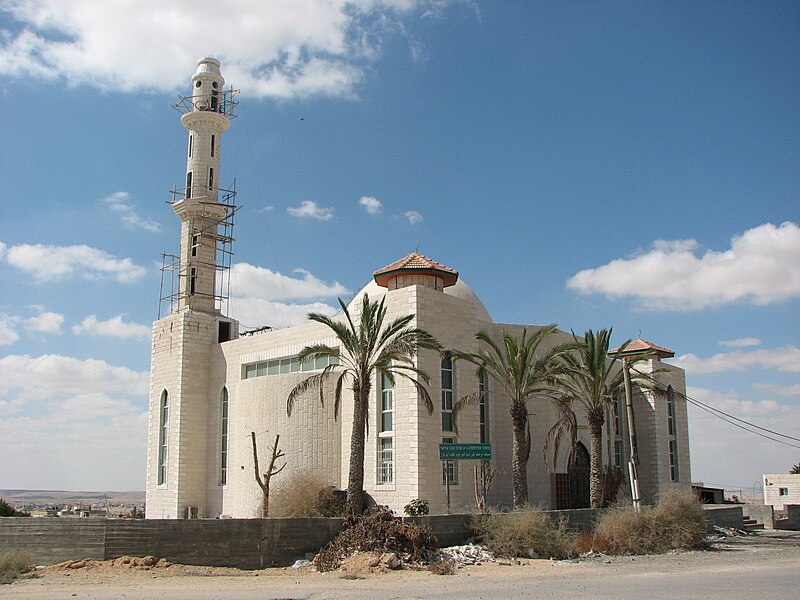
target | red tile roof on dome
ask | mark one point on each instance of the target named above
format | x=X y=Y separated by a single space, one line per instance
x=417 y=264
x=639 y=346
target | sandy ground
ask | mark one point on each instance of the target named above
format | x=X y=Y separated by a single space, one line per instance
x=765 y=566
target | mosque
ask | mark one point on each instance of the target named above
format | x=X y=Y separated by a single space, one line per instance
x=212 y=384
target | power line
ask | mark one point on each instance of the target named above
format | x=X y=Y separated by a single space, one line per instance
x=728 y=418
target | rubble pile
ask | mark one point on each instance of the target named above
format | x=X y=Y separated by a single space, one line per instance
x=469 y=554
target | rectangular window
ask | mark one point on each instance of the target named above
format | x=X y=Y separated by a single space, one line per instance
x=223 y=454
x=250 y=371
x=618 y=453
x=449 y=467
x=783 y=491
x=195 y=242
x=447 y=393
x=673 y=460
x=163 y=438
x=191 y=143
x=189 y=184
x=386 y=461
x=289 y=364
x=213 y=140
x=192 y=280
x=211 y=179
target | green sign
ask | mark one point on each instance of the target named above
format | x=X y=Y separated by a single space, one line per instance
x=465 y=451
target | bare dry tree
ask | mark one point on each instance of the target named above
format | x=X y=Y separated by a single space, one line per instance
x=265 y=479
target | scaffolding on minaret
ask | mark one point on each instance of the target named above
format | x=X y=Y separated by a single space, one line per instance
x=218 y=232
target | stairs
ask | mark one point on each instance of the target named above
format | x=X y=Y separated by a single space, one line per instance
x=749 y=524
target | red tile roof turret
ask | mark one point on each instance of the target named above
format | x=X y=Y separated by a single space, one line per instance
x=640 y=346
x=415 y=263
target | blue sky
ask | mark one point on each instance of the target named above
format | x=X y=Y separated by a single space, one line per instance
x=624 y=164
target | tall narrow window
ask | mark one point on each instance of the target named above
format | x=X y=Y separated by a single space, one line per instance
x=670 y=411
x=191 y=143
x=447 y=393
x=163 y=437
x=195 y=242
x=673 y=460
x=618 y=453
x=189 y=184
x=192 y=280
x=211 y=179
x=449 y=467
x=387 y=404
x=213 y=143
x=386 y=460
x=223 y=446
x=385 y=439
x=483 y=406
x=618 y=414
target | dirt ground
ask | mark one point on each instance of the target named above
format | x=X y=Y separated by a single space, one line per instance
x=766 y=565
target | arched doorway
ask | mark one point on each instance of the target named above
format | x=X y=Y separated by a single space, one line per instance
x=579 y=478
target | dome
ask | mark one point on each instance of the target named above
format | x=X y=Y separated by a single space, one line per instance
x=460 y=290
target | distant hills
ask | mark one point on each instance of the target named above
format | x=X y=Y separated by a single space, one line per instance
x=69 y=497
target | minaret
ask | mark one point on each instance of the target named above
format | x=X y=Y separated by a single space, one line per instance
x=199 y=210
x=184 y=403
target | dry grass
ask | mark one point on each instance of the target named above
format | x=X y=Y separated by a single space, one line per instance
x=677 y=522
x=526 y=532
x=300 y=496
x=13 y=565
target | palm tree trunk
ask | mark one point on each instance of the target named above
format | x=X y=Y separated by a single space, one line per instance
x=596 y=461
x=519 y=456
x=355 y=481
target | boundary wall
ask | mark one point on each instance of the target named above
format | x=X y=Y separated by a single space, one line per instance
x=243 y=543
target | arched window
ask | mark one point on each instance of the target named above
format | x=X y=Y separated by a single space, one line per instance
x=223 y=446
x=163 y=437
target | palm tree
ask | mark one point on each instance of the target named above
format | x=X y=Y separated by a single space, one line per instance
x=524 y=371
x=367 y=350
x=590 y=380
x=795 y=470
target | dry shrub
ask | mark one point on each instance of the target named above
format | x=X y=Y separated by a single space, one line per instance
x=378 y=531
x=677 y=522
x=13 y=565
x=298 y=496
x=527 y=532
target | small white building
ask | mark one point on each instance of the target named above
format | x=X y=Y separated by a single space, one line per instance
x=211 y=386
x=781 y=489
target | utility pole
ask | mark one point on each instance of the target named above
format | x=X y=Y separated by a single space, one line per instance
x=634 y=457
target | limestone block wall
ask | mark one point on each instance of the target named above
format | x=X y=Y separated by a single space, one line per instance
x=180 y=365
x=310 y=438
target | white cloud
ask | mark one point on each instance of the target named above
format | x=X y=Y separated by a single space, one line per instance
x=120 y=203
x=266 y=209
x=33 y=378
x=309 y=208
x=761 y=267
x=785 y=391
x=71 y=423
x=281 y=48
x=113 y=327
x=717 y=447
x=257 y=312
x=741 y=342
x=48 y=263
x=413 y=217
x=258 y=282
x=786 y=359
x=45 y=322
x=7 y=333
x=372 y=204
